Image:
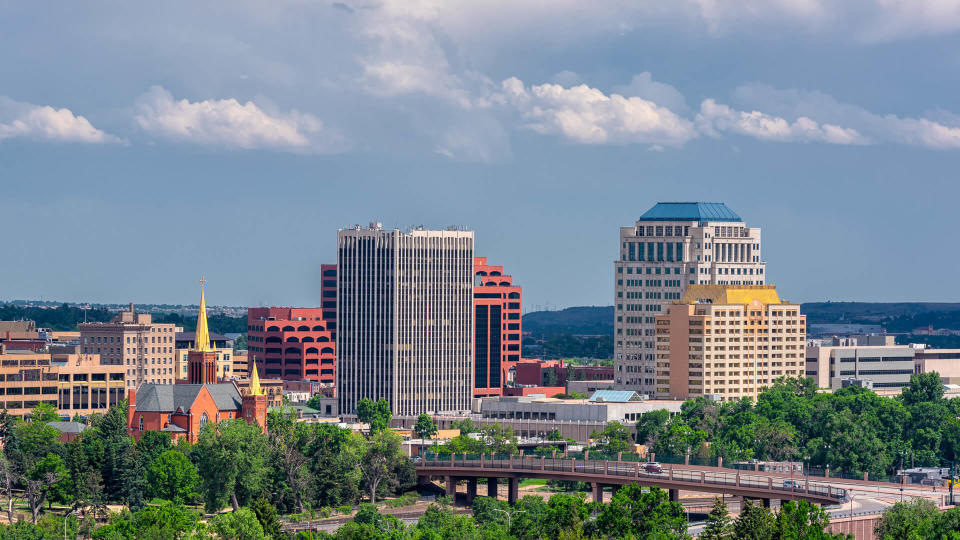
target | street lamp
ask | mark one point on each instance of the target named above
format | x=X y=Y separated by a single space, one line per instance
x=509 y=515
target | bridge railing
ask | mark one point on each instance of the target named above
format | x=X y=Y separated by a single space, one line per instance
x=630 y=469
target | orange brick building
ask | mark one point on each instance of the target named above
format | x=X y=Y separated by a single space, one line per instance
x=497 y=330
x=184 y=409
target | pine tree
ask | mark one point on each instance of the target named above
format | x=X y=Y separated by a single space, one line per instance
x=719 y=524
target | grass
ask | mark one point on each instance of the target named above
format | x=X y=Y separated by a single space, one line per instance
x=407 y=499
x=533 y=482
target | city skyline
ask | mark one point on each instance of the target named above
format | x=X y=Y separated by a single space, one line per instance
x=833 y=126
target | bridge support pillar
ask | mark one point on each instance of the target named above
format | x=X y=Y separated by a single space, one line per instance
x=450 y=486
x=613 y=490
x=471 y=490
x=513 y=490
x=674 y=495
x=766 y=502
x=492 y=487
x=597 y=492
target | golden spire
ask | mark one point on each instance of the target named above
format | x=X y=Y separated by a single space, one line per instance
x=255 y=383
x=201 y=341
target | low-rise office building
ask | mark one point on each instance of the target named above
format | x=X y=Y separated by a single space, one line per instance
x=603 y=406
x=865 y=358
x=27 y=379
x=85 y=386
x=946 y=362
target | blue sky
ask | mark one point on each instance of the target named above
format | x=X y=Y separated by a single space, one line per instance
x=142 y=146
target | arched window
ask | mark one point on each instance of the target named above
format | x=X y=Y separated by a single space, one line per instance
x=293 y=339
x=141 y=422
x=318 y=329
x=307 y=339
x=203 y=420
x=273 y=329
x=303 y=329
x=288 y=329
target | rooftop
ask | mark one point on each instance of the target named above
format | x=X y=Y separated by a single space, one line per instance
x=690 y=211
x=725 y=295
x=170 y=398
x=615 y=396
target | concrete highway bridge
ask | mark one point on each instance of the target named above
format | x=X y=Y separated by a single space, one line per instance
x=673 y=478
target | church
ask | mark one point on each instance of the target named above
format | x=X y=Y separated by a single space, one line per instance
x=183 y=409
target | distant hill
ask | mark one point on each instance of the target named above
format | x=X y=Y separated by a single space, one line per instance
x=582 y=320
x=872 y=312
x=897 y=316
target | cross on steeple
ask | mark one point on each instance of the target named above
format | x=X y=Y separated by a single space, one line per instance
x=203 y=281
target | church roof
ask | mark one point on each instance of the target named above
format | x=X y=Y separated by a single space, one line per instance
x=171 y=397
x=67 y=427
x=690 y=211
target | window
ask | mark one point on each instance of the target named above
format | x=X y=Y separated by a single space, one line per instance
x=203 y=420
x=141 y=423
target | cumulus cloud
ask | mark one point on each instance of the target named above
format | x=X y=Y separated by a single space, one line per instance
x=230 y=124
x=940 y=130
x=715 y=118
x=586 y=115
x=45 y=123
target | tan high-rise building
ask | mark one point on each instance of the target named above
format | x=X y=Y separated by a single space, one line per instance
x=146 y=349
x=728 y=342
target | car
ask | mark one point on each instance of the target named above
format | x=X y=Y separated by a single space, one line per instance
x=652 y=467
x=792 y=484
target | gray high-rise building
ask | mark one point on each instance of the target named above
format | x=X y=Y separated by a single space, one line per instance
x=405 y=319
x=672 y=245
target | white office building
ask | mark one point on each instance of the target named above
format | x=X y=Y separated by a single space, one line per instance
x=405 y=316
x=672 y=245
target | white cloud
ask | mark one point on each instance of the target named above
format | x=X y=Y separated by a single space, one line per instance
x=40 y=122
x=940 y=133
x=588 y=116
x=231 y=124
x=715 y=118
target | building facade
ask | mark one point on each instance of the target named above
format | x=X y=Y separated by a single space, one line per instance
x=727 y=342
x=292 y=343
x=146 y=349
x=223 y=349
x=946 y=362
x=405 y=319
x=874 y=358
x=671 y=246
x=497 y=327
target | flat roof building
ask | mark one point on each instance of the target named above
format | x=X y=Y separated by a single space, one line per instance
x=727 y=342
x=145 y=349
x=872 y=358
x=405 y=319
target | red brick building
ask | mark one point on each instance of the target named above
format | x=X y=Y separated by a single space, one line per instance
x=497 y=330
x=294 y=343
x=183 y=409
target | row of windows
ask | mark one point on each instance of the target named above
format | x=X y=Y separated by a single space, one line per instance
x=653 y=251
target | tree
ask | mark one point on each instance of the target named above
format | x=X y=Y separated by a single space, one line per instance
x=231 y=456
x=152 y=444
x=803 y=520
x=614 y=438
x=286 y=435
x=923 y=387
x=167 y=520
x=754 y=523
x=43 y=413
x=47 y=476
x=636 y=514
x=333 y=455
x=651 y=425
x=240 y=524
x=171 y=476
x=719 y=524
x=911 y=519
x=267 y=516
x=465 y=426
x=425 y=426
x=499 y=439
x=376 y=413
x=380 y=460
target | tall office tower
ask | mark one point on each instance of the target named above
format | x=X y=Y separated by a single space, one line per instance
x=671 y=246
x=405 y=316
x=292 y=343
x=133 y=340
x=497 y=329
x=728 y=342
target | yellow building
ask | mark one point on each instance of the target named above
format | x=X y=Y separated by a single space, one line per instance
x=727 y=342
x=224 y=363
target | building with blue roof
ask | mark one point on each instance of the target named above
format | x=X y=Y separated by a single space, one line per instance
x=673 y=245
